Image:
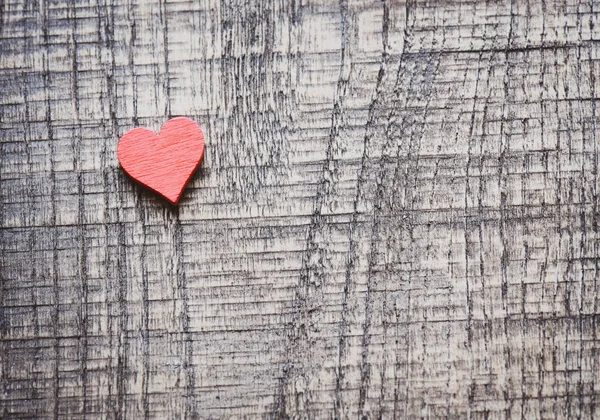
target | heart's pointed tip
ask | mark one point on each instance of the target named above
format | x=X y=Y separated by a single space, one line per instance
x=173 y=200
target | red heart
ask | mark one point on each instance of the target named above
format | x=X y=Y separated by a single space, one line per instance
x=164 y=162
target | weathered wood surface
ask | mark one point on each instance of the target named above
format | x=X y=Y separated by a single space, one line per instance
x=397 y=213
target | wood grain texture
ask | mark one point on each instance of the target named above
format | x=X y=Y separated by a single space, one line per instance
x=396 y=216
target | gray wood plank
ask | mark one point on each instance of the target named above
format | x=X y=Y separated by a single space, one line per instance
x=396 y=216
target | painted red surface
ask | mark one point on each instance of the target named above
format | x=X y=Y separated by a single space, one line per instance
x=164 y=162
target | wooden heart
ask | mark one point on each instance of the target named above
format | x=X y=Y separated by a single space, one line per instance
x=164 y=162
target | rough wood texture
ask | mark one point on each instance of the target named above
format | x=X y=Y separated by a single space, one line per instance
x=397 y=214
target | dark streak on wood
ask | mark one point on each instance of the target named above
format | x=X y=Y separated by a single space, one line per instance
x=2 y=6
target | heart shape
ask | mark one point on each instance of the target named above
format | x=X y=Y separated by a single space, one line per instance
x=164 y=162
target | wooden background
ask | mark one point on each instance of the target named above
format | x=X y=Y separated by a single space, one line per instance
x=396 y=217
